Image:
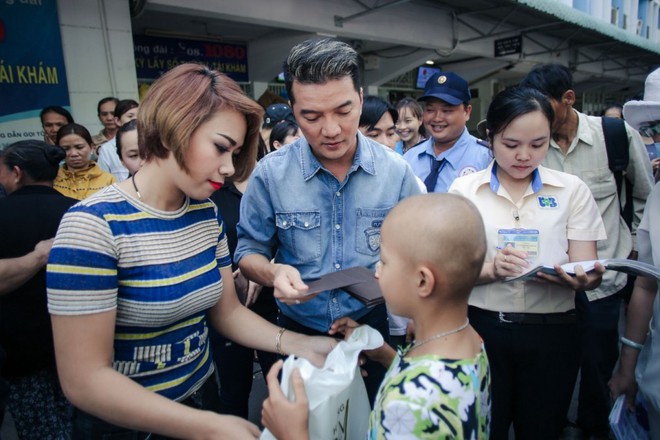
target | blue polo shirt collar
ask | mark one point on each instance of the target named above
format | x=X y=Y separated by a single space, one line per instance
x=537 y=182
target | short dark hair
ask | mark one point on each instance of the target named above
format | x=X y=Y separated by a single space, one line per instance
x=512 y=103
x=129 y=126
x=319 y=61
x=74 y=129
x=56 y=109
x=373 y=108
x=553 y=80
x=103 y=101
x=39 y=160
x=281 y=131
x=125 y=105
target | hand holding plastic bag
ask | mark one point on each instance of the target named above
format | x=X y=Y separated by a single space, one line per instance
x=338 y=403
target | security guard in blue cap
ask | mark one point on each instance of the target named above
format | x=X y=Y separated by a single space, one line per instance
x=450 y=150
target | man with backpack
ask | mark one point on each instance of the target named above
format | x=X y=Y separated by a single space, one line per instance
x=620 y=183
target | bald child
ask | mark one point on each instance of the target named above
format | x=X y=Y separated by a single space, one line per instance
x=432 y=250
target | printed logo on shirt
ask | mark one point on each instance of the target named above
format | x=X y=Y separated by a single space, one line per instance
x=467 y=170
x=548 y=202
x=373 y=235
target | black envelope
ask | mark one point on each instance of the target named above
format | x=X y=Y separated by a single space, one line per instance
x=359 y=282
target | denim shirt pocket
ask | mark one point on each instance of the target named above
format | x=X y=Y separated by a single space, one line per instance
x=367 y=234
x=300 y=233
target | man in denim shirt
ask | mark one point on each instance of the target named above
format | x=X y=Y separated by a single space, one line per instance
x=321 y=200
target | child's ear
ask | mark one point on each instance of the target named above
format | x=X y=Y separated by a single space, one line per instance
x=425 y=282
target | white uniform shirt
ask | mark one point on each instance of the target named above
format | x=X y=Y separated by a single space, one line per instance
x=560 y=206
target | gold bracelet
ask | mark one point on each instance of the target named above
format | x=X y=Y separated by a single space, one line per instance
x=278 y=342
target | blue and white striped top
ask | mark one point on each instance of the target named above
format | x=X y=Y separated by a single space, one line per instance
x=158 y=269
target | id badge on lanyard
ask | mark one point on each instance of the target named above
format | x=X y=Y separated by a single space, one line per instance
x=524 y=239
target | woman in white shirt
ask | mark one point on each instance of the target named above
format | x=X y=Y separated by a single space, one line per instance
x=532 y=216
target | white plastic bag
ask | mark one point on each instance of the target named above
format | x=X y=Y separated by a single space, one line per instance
x=338 y=403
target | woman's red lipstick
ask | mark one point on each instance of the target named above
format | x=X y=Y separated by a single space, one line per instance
x=216 y=185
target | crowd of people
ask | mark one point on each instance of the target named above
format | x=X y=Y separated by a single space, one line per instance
x=151 y=264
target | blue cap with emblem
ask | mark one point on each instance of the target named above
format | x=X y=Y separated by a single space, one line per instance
x=448 y=87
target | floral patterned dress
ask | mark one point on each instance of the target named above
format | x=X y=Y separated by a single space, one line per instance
x=428 y=397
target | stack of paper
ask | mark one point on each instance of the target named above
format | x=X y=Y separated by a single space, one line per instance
x=631 y=267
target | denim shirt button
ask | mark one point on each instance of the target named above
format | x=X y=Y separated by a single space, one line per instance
x=284 y=223
x=334 y=300
x=337 y=226
x=338 y=194
x=337 y=265
x=306 y=224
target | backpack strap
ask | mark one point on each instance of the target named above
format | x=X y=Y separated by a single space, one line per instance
x=618 y=157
